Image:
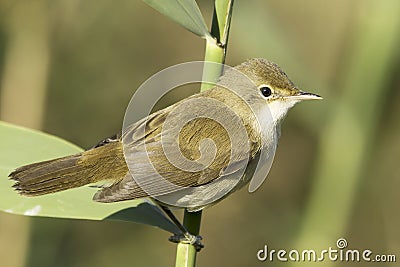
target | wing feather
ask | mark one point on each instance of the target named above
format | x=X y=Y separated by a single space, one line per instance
x=147 y=142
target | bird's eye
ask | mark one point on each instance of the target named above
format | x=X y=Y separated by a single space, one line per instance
x=266 y=91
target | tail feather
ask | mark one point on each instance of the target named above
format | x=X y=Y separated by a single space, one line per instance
x=49 y=176
x=39 y=171
x=100 y=163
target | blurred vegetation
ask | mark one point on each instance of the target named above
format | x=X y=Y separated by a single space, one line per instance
x=70 y=68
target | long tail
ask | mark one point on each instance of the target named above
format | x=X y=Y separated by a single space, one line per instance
x=100 y=163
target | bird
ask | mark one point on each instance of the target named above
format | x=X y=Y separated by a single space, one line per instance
x=249 y=101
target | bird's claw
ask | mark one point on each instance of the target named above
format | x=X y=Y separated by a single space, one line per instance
x=188 y=238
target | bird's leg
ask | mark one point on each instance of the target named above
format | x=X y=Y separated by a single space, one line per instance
x=183 y=237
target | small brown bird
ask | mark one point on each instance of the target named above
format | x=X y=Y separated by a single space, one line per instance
x=122 y=159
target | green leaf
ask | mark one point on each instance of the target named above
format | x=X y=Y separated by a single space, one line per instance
x=184 y=12
x=222 y=15
x=21 y=146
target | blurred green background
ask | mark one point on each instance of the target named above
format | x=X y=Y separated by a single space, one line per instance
x=69 y=68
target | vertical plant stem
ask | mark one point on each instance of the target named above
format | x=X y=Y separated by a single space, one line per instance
x=215 y=52
x=191 y=221
x=186 y=254
x=216 y=48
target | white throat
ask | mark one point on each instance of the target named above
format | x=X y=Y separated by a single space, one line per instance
x=271 y=117
x=279 y=109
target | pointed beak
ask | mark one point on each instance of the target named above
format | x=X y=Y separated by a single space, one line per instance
x=305 y=96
